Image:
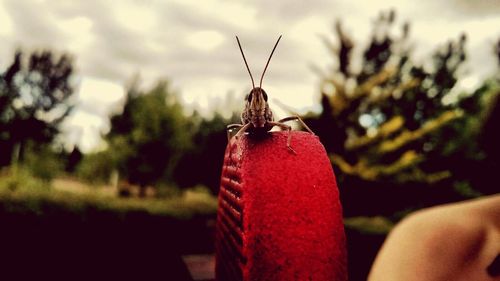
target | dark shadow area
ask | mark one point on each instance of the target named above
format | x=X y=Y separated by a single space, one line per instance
x=361 y=251
x=360 y=198
x=102 y=246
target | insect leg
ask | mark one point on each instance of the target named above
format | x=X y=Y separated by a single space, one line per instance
x=287 y=128
x=297 y=118
x=242 y=130
x=231 y=127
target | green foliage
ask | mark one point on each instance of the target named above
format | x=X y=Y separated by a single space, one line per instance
x=167 y=190
x=369 y=225
x=20 y=192
x=43 y=162
x=485 y=164
x=465 y=189
x=34 y=100
x=203 y=162
x=17 y=178
x=395 y=127
x=96 y=168
x=148 y=138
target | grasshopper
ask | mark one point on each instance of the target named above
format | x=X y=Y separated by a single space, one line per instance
x=257 y=117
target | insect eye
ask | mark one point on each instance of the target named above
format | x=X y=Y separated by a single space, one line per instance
x=249 y=97
x=265 y=95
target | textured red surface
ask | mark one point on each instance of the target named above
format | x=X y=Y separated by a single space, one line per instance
x=291 y=219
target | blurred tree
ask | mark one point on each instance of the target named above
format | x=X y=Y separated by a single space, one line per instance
x=148 y=138
x=485 y=170
x=72 y=159
x=96 y=168
x=394 y=128
x=34 y=99
x=42 y=161
x=207 y=153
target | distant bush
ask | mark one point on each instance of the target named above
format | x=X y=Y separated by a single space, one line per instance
x=200 y=189
x=21 y=193
x=167 y=191
x=15 y=179
x=95 y=168
x=43 y=163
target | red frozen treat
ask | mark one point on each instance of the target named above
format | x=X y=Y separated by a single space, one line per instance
x=279 y=215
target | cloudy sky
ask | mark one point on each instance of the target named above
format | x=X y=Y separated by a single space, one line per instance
x=192 y=43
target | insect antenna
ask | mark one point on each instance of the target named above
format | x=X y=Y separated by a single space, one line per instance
x=248 y=68
x=268 y=60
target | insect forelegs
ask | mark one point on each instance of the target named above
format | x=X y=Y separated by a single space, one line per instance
x=296 y=118
x=289 y=130
x=230 y=128
x=283 y=126
x=241 y=131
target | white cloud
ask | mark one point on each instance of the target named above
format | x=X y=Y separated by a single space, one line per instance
x=205 y=40
x=78 y=30
x=192 y=43
x=100 y=91
x=6 y=28
x=234 y=14
x=82 y=128
x=96 y=99
x=135 y=16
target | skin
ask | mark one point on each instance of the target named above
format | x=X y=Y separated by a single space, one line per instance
x=450 y=242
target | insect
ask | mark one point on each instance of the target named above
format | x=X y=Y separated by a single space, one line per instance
x=257 y=117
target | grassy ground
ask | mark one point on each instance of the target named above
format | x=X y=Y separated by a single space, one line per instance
x=69 y=221
x=22 y=193
x=70 y=229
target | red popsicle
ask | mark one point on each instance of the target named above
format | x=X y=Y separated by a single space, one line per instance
x=279 y=214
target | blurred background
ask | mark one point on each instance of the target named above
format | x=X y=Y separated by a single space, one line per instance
x=113 y=115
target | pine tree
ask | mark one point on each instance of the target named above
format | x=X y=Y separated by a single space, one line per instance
x=391 y=125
